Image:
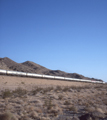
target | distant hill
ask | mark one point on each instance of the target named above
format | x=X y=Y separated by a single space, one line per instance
x=31 y=67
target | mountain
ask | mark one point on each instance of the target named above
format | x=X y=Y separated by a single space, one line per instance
x=35 y=67
x=8 y=64
x=31 y=67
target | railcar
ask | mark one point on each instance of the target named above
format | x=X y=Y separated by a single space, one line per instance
x=11 y=72
x=49 y=76
x=2 y=72
x=72 y=79
x=60 y=78
x=7 y=72
x=15 y=73
x=33 y=75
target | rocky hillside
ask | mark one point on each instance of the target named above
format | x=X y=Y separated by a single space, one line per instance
x=31 y=67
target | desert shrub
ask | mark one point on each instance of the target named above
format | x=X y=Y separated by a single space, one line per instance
x=105 y=101
x=30 y=108
x=54 y=112
x=87 y=87
x=90 y=102
x=48 y=89
x=60 y=97
x=72 y=108
x=38 y=110
x=5 y=83
x=48 y=104
x=80 y=87
x=22 y=83
x=34 y=115
x=98 y=86
x=36 y=90
x=19 y=92
x=90 y=109
x=6 y=93
x=67 y=102
x=58 y=88
x=99 y=110
x=7 y=116
x=73 y=87
x=86 y=104
x=65 y=89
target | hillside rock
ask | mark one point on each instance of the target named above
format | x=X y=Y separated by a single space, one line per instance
x=8 y=64
x=37 y=68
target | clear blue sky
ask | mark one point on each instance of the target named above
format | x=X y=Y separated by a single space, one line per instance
x=69 y=35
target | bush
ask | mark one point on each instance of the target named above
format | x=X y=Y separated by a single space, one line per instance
x=58 y=88
x=20 y=92
x=7 y=116
x=90 y=109
x=72 y=108
x=60 y=97
x=105 y=101
x=36 y=90
x=67 y=102
x=48 y=104
x=6 y=93
x=66 y=89
x=54 y=112
x=48 y=89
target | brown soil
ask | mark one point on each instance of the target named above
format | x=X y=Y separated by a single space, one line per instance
x=13 y=82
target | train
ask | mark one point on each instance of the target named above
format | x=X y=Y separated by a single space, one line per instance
x=25 y=74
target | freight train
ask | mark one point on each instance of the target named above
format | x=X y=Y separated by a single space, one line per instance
x=25 y=74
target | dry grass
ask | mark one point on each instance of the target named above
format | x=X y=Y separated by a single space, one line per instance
x=6 y=93
x=72 y=108
x=19 y=92
x=67 y=102
x=7 y=116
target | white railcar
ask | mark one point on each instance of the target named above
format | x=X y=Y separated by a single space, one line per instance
x=33 y=75
x=37 y=75
x=83 y=80
x=21 y=73
x=72 y=79
x=2 y=71
x=29 y=74
x=11 y=72
x=15 y=73
x=58 y=77
x=48 y=76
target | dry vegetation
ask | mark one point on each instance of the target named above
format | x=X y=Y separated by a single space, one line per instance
x=54 y=103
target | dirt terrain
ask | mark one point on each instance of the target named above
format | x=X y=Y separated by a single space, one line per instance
x=23 y=98
x=13 y=82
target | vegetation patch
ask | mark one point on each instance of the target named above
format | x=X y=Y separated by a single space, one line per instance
x=6 y=93
x=19 y=92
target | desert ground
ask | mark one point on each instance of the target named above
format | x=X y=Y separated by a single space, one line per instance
x=13 y=82
x=24 y=98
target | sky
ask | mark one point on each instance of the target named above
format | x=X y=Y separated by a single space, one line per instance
x=67 y=35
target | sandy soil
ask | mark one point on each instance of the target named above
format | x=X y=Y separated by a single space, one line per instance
x=12 y=82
